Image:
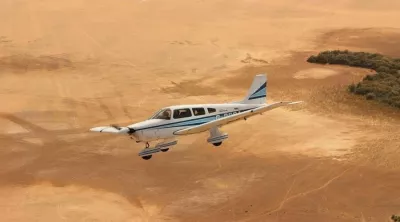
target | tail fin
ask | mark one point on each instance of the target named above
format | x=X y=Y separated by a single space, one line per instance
x=257 y=93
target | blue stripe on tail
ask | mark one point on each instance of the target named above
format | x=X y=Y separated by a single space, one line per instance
x=260 y=92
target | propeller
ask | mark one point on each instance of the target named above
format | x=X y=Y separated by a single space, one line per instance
x=116 y=126
x=130 y=130
x=107 y=111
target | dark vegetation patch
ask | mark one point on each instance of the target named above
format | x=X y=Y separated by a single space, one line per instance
x=4 y=39
x=250 y=59
x=191 y=88
x=395 y=218
x=24 y=63
x=383 y=86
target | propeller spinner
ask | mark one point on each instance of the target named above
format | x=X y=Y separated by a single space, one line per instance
x=130 y=130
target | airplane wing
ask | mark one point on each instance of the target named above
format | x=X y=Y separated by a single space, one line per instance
x=232 y=118
x=110 y=129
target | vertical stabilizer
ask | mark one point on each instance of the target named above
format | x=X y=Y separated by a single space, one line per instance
x=257 y=93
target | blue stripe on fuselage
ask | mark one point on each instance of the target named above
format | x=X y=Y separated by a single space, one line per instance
x=191 y=122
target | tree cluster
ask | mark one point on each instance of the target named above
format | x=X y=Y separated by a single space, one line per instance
x=383 y=86
x=395 y=218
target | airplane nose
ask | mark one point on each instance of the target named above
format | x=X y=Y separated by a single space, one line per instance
x=131 y=130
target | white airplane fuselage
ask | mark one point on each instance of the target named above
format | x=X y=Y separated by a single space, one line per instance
x=156 y=129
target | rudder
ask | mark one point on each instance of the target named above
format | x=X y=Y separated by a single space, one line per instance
x=257 y=93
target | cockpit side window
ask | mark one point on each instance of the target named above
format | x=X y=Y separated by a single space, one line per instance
x=182 y=113
x=198 y=111
x=211 y=110
x=163 y=114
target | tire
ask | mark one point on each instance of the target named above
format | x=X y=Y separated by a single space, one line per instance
x=165 y=150
x=147 y=157
x=217 y=144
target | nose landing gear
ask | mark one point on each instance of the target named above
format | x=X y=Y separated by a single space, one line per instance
x=163 y=146
x=147 y=157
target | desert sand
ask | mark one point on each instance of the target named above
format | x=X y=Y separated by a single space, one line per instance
x=67 y=66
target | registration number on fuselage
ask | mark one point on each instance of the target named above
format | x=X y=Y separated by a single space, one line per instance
x=226 y=114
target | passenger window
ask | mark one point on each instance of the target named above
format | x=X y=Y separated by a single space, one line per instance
x=211 y=110
x=182 y=113
x=198 y=111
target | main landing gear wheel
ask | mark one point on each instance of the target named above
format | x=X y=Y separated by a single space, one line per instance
x=165 y=150
x=147 y=145
x=217 y=144
x=147 y=157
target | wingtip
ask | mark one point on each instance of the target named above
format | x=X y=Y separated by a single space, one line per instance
x=262 y=74
x=297 y=102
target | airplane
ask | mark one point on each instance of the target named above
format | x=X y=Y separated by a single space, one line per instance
x=171 y=122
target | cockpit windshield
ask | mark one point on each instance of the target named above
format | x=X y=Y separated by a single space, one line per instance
x=162 y=114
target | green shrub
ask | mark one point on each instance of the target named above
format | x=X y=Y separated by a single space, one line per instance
x=368 y=78
x=352 y=87
x=395 y=218
x=383 y=86
x=312 y=59
x=370 y=96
